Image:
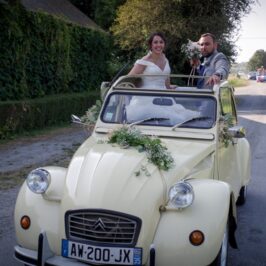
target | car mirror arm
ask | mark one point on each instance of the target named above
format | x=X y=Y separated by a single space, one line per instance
x=76 y=120
x=237 y=132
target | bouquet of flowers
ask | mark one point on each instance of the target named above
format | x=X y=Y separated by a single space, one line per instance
x=191 y=50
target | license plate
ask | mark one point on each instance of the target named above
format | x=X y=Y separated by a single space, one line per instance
x=101 y=255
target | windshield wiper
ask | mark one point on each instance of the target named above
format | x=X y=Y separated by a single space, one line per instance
x=148 y=119
x=190 y=120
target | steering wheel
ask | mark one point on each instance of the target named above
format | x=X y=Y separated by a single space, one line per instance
x=127 y=85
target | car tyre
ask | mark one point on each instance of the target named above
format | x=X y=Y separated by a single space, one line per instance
x=242 y=196
x=221 y=259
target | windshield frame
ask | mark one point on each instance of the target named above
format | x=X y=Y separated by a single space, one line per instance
x=179 y=81
x=159 y=94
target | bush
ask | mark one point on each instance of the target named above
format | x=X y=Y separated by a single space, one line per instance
x=26 y=115
x=237 y=82
x=43 y=55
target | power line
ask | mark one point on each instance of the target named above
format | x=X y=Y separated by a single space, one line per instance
x=256 y=38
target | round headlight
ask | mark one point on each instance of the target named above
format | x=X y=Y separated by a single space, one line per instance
x=181 y=195
x=38 y=180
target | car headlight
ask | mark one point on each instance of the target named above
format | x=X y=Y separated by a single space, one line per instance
x=181 y=195
x=38 y=180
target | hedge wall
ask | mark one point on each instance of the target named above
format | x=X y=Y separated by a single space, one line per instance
x=43 y=55
x=26 y=115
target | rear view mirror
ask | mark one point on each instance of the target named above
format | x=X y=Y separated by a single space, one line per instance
x=163 y=101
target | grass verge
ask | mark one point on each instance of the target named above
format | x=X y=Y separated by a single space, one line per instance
x=237 y=82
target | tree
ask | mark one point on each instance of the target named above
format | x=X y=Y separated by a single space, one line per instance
x=103 y=12
x=257 y=60
x=179 y=20
x=84 y=5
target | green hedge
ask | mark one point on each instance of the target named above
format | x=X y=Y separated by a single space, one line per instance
x=43 y=55
x=26 y=115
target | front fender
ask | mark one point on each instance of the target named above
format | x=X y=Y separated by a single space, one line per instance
x=208 y=213
x=36 y=207
x=56 y=187
x=244 y=160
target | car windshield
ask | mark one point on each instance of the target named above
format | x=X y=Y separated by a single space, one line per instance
x=153 y=109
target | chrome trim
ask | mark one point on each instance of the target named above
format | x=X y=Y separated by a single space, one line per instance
x=102 y=227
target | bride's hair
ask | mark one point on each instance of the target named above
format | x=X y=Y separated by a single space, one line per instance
x=160 y=34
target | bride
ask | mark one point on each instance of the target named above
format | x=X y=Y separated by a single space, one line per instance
x=155 y=64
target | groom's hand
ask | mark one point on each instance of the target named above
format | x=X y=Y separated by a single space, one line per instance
x=194 y=62
x=214 y=79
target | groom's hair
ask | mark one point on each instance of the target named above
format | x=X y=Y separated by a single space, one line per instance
x=150 y=39
x=208 y=35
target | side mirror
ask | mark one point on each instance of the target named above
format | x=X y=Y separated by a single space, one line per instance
x=237 y=132
x=105 y=86
x=75 y=119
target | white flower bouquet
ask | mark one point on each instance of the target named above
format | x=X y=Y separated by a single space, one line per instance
x=191 y=50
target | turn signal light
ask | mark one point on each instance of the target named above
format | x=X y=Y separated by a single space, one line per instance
x=25 y=222
x=196 y=238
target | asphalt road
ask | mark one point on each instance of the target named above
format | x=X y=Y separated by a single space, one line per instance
x=251 y=233
x=18 y=158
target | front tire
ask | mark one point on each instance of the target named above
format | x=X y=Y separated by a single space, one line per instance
x=221 y=259
x=242 y=196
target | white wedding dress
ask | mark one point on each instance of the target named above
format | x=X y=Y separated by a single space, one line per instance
x=142 y=107
x=154 y=82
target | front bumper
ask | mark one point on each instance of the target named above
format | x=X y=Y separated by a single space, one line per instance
x=30 y=257
x=45 y=257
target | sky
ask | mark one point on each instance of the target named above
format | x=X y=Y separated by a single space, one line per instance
x=252 y=35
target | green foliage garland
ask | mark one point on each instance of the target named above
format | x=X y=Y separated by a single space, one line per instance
x=91 y=115
x=226 y=122
x=156 y=152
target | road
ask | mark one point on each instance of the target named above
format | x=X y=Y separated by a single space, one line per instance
x=251 y=233
x=21 y=156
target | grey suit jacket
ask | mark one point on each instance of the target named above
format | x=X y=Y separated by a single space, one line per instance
x=217 y=63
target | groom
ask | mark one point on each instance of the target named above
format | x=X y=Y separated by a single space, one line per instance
x=214 y=64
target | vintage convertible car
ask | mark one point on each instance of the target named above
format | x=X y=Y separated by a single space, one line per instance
x=156 y=183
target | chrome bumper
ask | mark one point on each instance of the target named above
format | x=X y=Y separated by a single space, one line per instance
x=44 y=256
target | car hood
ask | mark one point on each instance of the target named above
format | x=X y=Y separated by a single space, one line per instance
x=105 y=176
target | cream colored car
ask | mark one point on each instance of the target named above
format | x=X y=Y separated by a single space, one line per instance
x=162 y=191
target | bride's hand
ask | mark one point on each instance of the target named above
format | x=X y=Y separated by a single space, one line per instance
x=172 y=87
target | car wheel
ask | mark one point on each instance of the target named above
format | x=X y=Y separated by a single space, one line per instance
x=221 y=259
x=242 y=196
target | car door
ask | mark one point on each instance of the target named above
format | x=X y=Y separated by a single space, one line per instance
x=229 y=164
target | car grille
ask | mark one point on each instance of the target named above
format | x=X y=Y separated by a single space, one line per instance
x=102 y=227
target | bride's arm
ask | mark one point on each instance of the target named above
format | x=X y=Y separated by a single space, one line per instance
x=168 y=85
x=137 y=69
